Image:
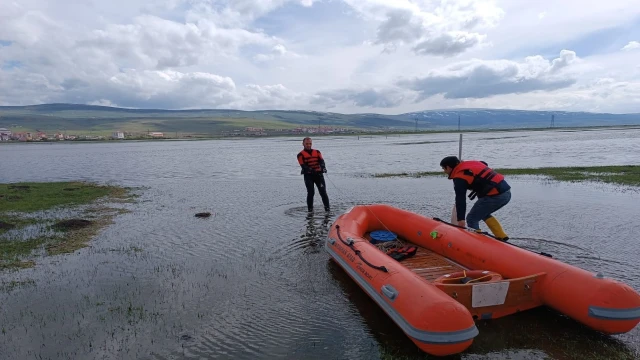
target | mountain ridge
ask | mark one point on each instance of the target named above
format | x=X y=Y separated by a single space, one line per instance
x=100 y=118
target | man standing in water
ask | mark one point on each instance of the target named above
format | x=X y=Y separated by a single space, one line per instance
x=492 y=190
x=313 y=167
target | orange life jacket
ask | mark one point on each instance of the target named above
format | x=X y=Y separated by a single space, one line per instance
x=481 y=180
x=312 y=160
x=403 y=252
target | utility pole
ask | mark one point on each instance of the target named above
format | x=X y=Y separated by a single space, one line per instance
x=460 y=142
x=553 y=121
x=416 y=119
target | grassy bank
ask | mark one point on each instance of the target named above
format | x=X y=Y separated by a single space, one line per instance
x=620 y=175
x=357 y=133
x=30 y=218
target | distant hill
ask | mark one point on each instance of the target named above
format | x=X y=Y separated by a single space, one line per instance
x=104 y=119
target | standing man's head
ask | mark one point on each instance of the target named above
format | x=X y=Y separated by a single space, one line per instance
x=448 y=163
x=306 y=142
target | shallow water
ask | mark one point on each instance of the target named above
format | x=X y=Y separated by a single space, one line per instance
x=253 y=281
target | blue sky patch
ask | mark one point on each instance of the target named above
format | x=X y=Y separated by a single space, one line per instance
x=323 y=23
x=11 y=64
x=598 y=42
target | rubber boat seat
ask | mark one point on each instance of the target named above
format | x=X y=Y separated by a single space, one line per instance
x=468 y=276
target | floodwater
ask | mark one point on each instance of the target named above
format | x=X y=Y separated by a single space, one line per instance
x=253 y=281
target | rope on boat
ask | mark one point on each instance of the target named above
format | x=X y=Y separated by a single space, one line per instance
x=491 y=236
x=357 y=252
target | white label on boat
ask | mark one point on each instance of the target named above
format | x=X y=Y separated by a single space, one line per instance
x=490 y=294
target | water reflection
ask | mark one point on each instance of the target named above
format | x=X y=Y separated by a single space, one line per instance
x=316 y=229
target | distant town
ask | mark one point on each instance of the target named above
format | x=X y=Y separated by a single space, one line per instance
x=28 y=136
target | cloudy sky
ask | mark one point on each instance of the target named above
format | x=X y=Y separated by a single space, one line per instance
x=385 y=56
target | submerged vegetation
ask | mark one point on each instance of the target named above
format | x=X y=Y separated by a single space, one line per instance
x=620 y=175
x=31 y=197
x=30 y=218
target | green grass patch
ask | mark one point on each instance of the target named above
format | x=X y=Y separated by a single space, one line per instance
x=620 y=175
x=19 y=202
x=31 y=197
x=75 y=234
x=16 y=264
x=13 y=249
x=12 y=222
x=265 y=124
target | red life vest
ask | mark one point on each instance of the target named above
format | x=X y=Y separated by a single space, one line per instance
x=311 y=160
x=403 y=252
x=481 y=179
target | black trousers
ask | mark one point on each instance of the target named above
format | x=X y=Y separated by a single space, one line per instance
x=318 y=180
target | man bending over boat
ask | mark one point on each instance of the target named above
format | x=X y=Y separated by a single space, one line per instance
x=492 y=190
x=312 y=164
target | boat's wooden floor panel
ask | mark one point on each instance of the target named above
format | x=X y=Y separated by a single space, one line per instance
x=430 y=265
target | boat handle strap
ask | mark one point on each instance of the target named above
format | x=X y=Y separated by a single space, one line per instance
x=357 y=252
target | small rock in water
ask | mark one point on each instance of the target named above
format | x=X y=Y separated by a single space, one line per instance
x=72 y=224
x=4 y=225
x=203 y=214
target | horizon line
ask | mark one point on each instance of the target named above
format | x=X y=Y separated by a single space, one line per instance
x=317 y=111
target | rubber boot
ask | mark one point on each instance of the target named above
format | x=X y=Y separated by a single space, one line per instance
x=496 y=228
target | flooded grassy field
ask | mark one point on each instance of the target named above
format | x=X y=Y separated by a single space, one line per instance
x=56 y=217
x=253 y=281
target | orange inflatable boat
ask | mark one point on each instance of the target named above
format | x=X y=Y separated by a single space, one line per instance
x=452 y=277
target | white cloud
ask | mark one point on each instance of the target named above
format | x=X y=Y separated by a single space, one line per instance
x=479 y=79
x=472 y=79
x=632 y=45
x=277 y=51
x=235 y=13
x=102 y=102
x=345 y=55
x=189 y=89
x=154 y=42
x=441 y=28
x=599 y=95
x=366 y=98
x=257 y=97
